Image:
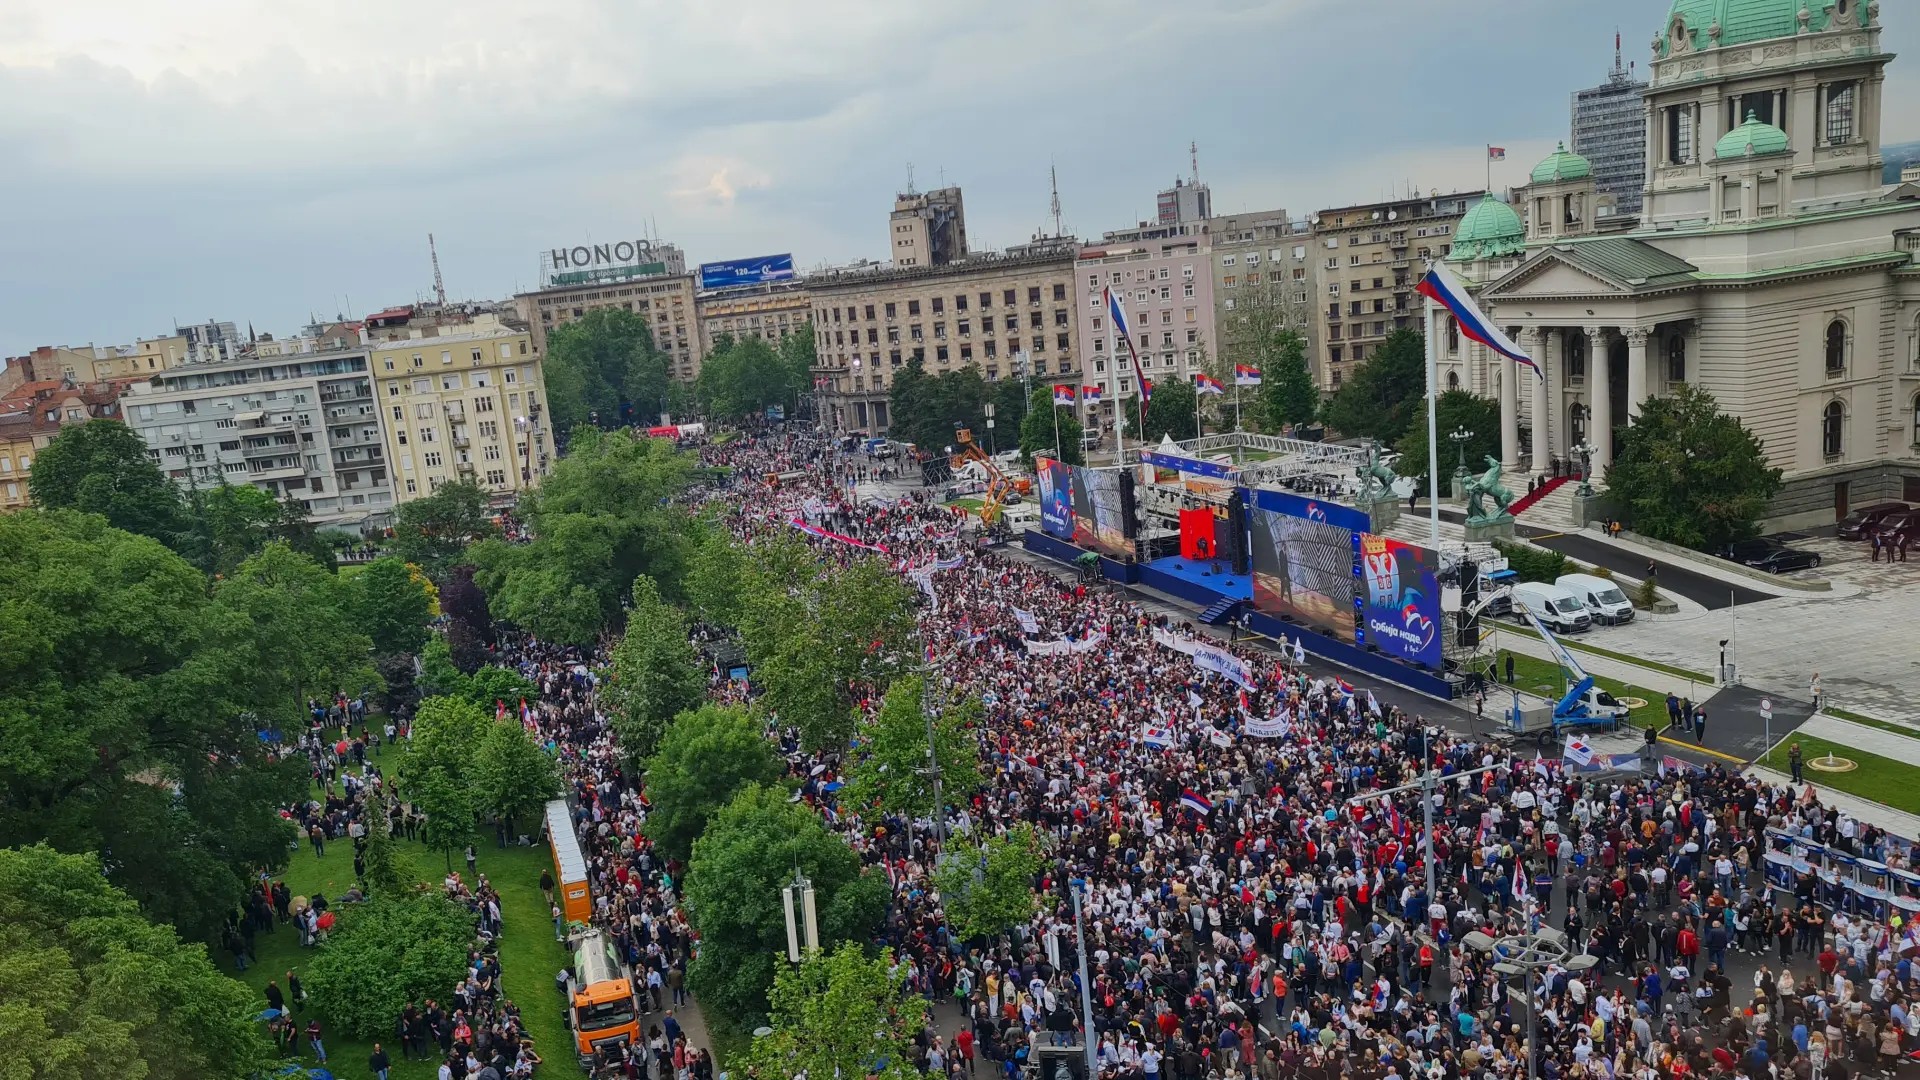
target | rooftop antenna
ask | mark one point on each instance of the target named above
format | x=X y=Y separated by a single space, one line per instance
x=909 y=177
x=439 y=286
x=1054 y=174
x=1616 y=50
x=1193 y=149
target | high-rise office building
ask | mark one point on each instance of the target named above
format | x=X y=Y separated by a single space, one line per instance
x=1610 y=130
x=929 y=228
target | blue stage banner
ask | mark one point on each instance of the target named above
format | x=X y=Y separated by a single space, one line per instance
x=1321 y=510
x=1402 y=614
x=1189 y=465
x=1056 y=497
x=720 y=275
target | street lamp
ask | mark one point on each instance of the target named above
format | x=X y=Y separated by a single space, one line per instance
x=1460 y=437
x=1586 y=450
x=1524 y=956
x=1428 y=785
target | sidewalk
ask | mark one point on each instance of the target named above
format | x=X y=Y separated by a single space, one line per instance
x=1873 y=740
x=1897 y=822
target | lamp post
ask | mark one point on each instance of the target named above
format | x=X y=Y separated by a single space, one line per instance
x=1428 y=785
x=1585 y=449
x=1460 y=437
x=1524 y=956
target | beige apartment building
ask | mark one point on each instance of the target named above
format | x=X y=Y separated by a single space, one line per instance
x=1000 y=313
x=469 y=404
x=768 y=311
x=666 y=301
x=94 y=363
x=1264 y=272
x=1370 y=258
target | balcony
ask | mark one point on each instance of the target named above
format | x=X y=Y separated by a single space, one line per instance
x=276 y=472
x=465 y=466
x=460 y=442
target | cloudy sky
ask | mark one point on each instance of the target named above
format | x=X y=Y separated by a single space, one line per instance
x=256 y=161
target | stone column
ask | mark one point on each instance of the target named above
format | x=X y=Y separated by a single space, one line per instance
x=1636 y=371
x=1510 y=373
x=1600 y=408
x=1546 y=357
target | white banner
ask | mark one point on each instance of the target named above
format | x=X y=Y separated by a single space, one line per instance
x=1167 y=639
x=1214 y=658
x=1026 y=620
x=1219 y=738
x=1270 y=728
x=1065 y=646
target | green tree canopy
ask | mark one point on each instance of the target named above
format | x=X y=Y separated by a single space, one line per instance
x=514 y=776
x=656 y=674
x=1037 y=432
x=927 y=409
x=841 y=1014
x=704 y=759
x=1689 y=474
x=716 y=569
x=1456 y=410
x=233 y=522
x=125 y=696
x=101 y=467
x=389 y=951
x=743 y=378
x=750 y=849
x=1170 y=412
x=305 y=640
x=1288 y=394
x=987 y=886
x=1385 y=394
x=392 y=605
x=591 y=363
x=893 y=753
x=92 y=989
x=446 y=734
x=435 y=531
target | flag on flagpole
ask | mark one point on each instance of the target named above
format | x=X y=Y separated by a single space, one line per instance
x=1196 y=802
x=1123 y=333
x=1444 y=289
x=1062 y=395
x=1207 y=384
x=1090 y=394
x=1246 y=376
x=1496 y=153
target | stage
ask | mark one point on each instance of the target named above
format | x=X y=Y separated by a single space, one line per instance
x=1197 y=582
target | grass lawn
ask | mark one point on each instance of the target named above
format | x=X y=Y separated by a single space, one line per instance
x=970 y=504
x=1543 y=678
x=529 y=956
x=1625 y=658
x=1883 y=780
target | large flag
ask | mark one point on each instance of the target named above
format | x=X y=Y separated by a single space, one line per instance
x=1062 y=395
x=1123 y=333
x=1196 y=802
x=1444 y=289
x=1245 y=376
x=1207 y=384
x=1090 y=394
x=1496 y=153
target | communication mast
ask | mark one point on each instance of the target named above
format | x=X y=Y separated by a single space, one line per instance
x=439 y=286
x=1054 y=175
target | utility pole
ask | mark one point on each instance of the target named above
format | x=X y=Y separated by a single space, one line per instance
x=1086 y=994
x=1428 y=785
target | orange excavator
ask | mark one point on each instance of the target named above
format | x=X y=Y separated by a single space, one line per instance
x=999 y=484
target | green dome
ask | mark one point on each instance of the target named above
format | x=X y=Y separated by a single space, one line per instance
x=1562 y=164
x=1745 y=21
x=1491 y=230
x=1754 y=137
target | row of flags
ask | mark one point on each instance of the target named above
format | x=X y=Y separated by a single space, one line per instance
x=1066 y=394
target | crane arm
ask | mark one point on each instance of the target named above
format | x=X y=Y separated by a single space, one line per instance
x=1574 y=672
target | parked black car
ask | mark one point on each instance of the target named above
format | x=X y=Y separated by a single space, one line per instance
x=1855 y=526
x=1786 y=560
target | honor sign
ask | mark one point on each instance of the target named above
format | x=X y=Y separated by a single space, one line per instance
x=592 y=264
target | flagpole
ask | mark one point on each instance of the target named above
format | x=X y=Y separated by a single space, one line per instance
x=1057 y=453
x=1433 y=426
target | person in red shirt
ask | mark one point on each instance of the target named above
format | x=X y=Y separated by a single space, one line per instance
x=1687 y=944
x=963 y=1042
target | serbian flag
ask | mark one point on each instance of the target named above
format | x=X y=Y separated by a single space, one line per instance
x=1496 y=153
x=1090 y=394
x=1123 y=333
x=1195 y=802
x=1062 y=395
x=1204 y=383
x=1346 y=688
x=1444 y=289
x=1245 y=376
x=525 y=713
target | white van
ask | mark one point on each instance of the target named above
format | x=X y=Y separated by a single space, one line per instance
x=1556 y=608
x=1603 y=599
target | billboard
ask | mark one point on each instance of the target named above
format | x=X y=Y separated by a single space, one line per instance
x=598 y=264
x=721 y=275
x=1305 y=555
x=1403 y=599
x=1087 y=507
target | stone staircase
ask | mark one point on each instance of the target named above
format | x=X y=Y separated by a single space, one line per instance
x=1553 y=510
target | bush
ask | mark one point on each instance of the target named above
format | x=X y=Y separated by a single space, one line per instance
x=1646 y=596
x=385 y=953
x=1530 y=563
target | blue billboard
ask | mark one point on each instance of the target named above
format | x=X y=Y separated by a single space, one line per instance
x=1403 y=616
x=1330 y=513
x=721 y=275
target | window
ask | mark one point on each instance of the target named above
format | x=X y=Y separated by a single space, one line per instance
x=1839 y=98
x=412 y=487
x=434 y=459
x=1059 y=293
x=489 y=429
x=482 y=404
x=1033 y=294
x=389 y=363
x=986 y=298
x=393 y=389
x=889 y=311
x=1676 y=359
x=939 y=305
x=491 y=452
x=1453 y=334
x=1836 y=348
x=1577 y=359
x=1913 y=410
x=450 y=382
x=1009 y=297
x=1453 y=380
x=1679 y=135
x=423 y=411
x=1833 y=423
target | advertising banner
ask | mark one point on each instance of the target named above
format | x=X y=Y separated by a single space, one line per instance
x=1403 y=599
x=1305 y=555
x=721 y=275
x=1085 y=506
x=1056 y=497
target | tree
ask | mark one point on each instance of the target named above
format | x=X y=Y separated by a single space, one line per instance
x=393 y=603
x=715 y=572
x=389 y=951
x=446 y=734
x=1171 y=411
x=449 y=806
x=1288 y=395
x=988 y=886
x=798 y=353
x=927 y=409
x=1265 y=316
x=388 y=870
x=1690 y=474
x=436 y=530
x=102 y=467
x=704 y=759
x=893 y=753
x=656 y=674
x=93 y=989
x=129 y=705
x=1385 y=394
x=750 y=849
x=513 y=775
x=1454 y=411
x=303 y=637
x=462 y=602
x=1037 y=433
x=232 y=522
x=841 y=1014
x=743 y=378
x=590 y=363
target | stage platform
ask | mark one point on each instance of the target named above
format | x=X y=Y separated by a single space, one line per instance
x=1200 y=582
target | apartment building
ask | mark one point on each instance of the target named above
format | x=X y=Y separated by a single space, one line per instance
x=928 y=228
x=94 y=363
x=1164 y=277
x=31 y=421
x=1371 y=258
x=1000 y=313
x=466 y=404
x=666 y=301
x=1265 y=274
x=768 y=311
x=304 y=426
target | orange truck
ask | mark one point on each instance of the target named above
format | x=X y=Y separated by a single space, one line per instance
x=604 y=1015
x=571 y=891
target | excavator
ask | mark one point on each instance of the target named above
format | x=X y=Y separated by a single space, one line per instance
x=999 y=484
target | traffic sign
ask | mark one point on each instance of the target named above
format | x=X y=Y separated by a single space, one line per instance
x=1766 y=708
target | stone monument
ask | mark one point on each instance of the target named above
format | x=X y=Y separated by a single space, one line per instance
x=1481 y=525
